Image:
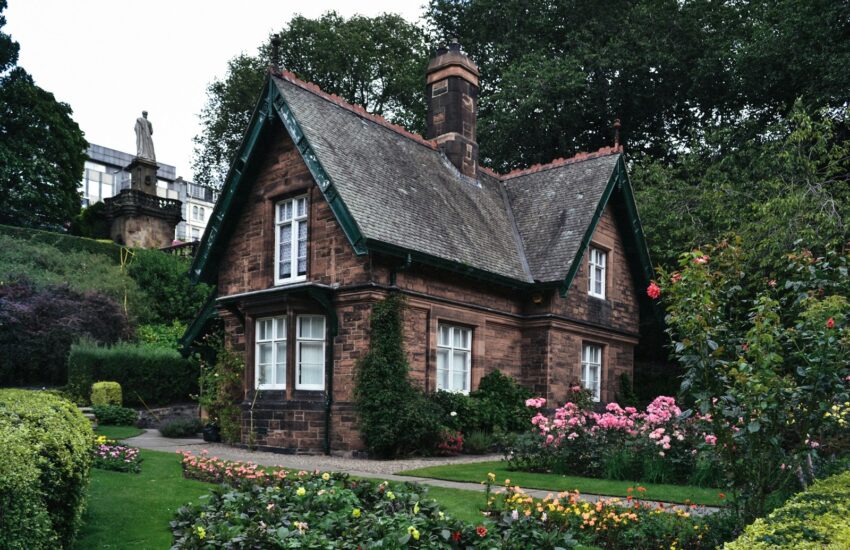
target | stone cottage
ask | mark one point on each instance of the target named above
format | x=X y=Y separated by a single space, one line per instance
x=539 y=273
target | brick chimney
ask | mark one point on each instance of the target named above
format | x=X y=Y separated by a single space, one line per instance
x=452 y=94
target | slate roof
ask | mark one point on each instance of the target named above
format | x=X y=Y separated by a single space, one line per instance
x=402 y=191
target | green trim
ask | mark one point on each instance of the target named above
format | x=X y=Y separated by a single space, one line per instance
x=193 y=331
x=326 y=185
x=210 y=247
x=450 y=265
x=619 y=180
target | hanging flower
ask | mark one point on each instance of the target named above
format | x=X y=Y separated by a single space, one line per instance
x=653 y=291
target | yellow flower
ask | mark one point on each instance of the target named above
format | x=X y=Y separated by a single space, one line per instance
x=202 y=533
x=413 y=532
x=326 y=476
x=491 y=477
x=390 y=495
x=356 y=512
x=416 y=508
x=301 y=491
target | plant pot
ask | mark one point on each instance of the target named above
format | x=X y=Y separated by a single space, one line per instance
x=211 y=433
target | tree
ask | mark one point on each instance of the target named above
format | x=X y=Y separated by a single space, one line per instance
x=42 y=149
x=377 y=62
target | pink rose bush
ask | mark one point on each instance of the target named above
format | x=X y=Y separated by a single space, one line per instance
x=658 y=444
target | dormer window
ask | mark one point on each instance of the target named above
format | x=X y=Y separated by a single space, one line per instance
x=596 y=273
x=290 y=241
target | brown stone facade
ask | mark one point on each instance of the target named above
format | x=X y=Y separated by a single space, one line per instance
x=536 y=337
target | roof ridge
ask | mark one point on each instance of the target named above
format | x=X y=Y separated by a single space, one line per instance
x=557 y=163
x=358 y=110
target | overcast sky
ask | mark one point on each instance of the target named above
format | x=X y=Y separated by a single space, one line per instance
x=111 y=59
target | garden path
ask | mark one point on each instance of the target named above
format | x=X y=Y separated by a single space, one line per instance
x=357 y=467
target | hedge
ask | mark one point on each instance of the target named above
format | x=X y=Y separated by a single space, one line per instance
x=148 y=375
x=65 y=243
x=45 y=458
x=814 y=519
x=106 y=393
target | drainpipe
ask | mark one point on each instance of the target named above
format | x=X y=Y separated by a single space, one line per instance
x=329 y=393
x=408 y=261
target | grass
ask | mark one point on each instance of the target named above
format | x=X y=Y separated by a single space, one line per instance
x=477 y=472
x=133 y=510
x=119 y=432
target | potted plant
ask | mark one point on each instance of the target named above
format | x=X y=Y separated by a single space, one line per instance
x=211 y=432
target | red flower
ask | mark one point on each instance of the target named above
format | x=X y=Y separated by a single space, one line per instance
x=653 y=290
x=745 y=347
x=721 y=495
x=481 y=530
x=456 y=536
x=830 y=323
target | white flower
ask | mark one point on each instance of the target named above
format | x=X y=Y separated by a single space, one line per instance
x=453 y=413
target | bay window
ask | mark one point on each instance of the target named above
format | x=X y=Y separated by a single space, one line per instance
x=270 y=354
x=310 y=353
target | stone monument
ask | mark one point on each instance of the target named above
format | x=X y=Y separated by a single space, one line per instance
x=139 y=218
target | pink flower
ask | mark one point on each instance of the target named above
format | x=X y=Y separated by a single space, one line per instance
x=701 y=259
x=653 y=291
x=676 y=277
x=535 y=402
x=711 y=439
x=830 y=323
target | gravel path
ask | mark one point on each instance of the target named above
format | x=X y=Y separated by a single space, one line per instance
x=357 y=467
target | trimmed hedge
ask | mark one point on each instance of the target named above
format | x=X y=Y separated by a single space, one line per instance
x=814 y=519
x=66 y=243
x=45 y=458
x=114 y=415
x=148 y=375
x=106 y=393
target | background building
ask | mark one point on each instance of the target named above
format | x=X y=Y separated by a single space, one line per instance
x=105 y=175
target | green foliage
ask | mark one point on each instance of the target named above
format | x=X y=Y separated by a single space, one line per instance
x=114 y=415
x=816 y=518
x=767 y=369
x=38 y=326
x=62 y=242
x=91 y=222
x=106 y=393
x=501 y=403
x=377 y=62
x=220 y=384
x=181 y=427
x=161 y=335
x=45 y=457
x=477 y=443
x=149 y=375
x=165 y=280
x=395 y=416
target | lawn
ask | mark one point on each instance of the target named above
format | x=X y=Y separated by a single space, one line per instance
x=119 y=432
x=133 y=510
x=477 y=472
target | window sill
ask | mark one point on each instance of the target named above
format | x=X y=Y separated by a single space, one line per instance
x=597 y=297
x=284 y=282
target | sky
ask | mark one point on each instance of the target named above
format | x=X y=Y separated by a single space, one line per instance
x=112 y=59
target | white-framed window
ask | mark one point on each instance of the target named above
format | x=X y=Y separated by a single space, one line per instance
x=270 y=353
x=196 y=234
x=198 y=213
x=454 y=356
x=591 y=369
x=596 y=273
x=290 y=257
x=310 y=353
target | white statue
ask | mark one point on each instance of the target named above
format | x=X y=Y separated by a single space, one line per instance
x=144 y=142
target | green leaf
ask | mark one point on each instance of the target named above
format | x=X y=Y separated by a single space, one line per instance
x=754 y=426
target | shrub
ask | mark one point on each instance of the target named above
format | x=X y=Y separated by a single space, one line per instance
x=457 y=411
x=149 y=375
x=165 y=279
x=91 y=222
x=395 y=416
x=161 y=335
x=106 y=393
x=45 y=457
x=477 y=443
x=38 y=326
x=113 y=415
x=814 y=519
x=220 y=387
x=181 y=427
x=500 y=404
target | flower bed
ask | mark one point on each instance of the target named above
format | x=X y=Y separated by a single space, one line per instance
x=657 y=445
x=279 y=509
x=108 y=454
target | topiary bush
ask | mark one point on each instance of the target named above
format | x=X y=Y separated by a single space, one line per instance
x=814 y=519
x=149 y=375
x=39 y=324
x=395 y=417
x=113 y=415
x=45 y=458
x=106 y=393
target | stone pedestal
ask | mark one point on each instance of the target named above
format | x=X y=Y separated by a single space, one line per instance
x=143 y=175
x=142 y=220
